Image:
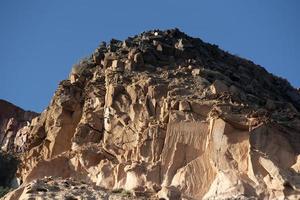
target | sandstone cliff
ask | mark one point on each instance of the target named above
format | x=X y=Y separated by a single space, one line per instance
x=164 y=115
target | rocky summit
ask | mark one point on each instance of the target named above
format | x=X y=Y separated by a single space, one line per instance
x=160 y=115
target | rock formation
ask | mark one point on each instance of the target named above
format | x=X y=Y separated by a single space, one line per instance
x=13 y=122
x=166 y=116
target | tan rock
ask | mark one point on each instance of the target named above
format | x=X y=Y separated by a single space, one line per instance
x=184 y=106
x=196 y=72
x=157 y=131
x=117 y=65
x=218 y=87
x=138 y=59
x=159 y=47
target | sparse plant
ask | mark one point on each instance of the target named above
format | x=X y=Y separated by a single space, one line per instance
x=122 y=192
x=117 y=190
x=82 y=65
x=3 y=191
x=126 y=193
x=8 y=168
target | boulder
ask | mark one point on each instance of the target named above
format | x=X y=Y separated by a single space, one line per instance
x=117 y=65
x=184 y=106
x=218 y=87
x=138 y=59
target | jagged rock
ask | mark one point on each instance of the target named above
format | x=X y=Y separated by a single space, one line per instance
x=169 y=193
x=108 y=59
x=218 y=87
x=196 y=72
x=117 y=65
x=167 y=116
x=12 y=120
x=98 y=56
x=184 y=106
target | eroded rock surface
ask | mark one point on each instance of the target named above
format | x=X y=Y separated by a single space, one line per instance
x=168 y=116
x=13 y=122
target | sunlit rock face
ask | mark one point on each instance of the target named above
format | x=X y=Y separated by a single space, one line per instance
x=164 y=115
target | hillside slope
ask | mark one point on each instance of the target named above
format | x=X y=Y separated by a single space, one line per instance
x=164 y=115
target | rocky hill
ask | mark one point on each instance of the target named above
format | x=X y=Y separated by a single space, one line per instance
x=162 y=115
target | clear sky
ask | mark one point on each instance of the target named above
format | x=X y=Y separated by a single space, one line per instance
x=40 y=40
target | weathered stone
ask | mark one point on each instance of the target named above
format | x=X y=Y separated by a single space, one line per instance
x=97 y=57
x=201 y=108
x=117 y=65
x=196 y=72
x=182 y=44
x=138 y=59
x=184 y=106
x=108 y=59
x=218 y=87
x=160 y=129
x=159 y=47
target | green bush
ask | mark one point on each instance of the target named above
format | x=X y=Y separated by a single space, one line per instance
x=123 y=192
x=3 y=191
x=116 y=191
x=84 y=64
x=126 y=193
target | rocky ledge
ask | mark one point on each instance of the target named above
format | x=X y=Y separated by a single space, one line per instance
x=166 y=116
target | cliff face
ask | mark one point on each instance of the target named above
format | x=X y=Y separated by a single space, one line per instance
x=12 y=122
x=165 y=115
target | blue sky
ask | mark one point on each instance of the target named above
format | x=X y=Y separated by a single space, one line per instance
x=40 y=40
